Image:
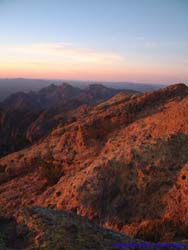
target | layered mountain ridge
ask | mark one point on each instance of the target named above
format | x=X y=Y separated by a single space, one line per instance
x=28 y=117
x=123 y=164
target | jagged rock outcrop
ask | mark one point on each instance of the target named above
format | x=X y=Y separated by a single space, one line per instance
x=27 y=117
x=123 y=165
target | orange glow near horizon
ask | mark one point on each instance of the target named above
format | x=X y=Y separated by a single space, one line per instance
x=64 y=61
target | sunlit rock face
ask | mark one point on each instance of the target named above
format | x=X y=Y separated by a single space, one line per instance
x=122 y=164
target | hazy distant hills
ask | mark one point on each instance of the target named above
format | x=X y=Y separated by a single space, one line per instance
x=10 y=86
x=56 y=95
x=27 y=117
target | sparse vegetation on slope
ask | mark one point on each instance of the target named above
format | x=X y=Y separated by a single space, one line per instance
x=123 y=165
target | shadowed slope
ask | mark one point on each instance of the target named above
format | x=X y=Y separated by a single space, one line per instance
x=26 y=118
x=122 y=165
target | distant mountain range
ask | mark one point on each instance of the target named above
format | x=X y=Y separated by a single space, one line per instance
x=10 y=86
x=27 y=117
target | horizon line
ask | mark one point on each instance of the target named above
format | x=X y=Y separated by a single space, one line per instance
x=86 y=81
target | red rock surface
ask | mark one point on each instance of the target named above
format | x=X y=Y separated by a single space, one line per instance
x=123 y=165
x=27 y=117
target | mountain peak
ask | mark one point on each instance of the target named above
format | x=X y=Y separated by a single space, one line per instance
x=96 y=86
x=66 y=85
x=174 y=90
x=178 y=86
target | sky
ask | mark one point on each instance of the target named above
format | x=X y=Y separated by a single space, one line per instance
x=102 y=40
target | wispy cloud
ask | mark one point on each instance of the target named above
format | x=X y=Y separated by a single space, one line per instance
x=60 y=60
x=61 y=52
x=64 y=60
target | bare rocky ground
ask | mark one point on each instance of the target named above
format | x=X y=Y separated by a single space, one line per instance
x=123 y=164
x=43 y=228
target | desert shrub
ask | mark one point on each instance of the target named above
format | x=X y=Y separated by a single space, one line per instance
x=2 y=243
x=152 y=232
x=168 y=151
x=98 y=192
x=52 y=173
x=49 y=170
x=158 y=230
x=107 y=192
x=182 y=232
x=2 y=168
x=136 y=155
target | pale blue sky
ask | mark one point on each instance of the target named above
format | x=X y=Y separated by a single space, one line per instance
x=140 y=39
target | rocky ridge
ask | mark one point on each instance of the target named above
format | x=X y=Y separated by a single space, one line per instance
x=123 y=165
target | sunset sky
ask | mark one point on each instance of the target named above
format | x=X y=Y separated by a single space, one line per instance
x=108 y=40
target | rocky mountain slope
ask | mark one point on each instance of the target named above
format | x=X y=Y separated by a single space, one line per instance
x=56 y=95
x=27 y=117
x=43 y=228
x=123 y=165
